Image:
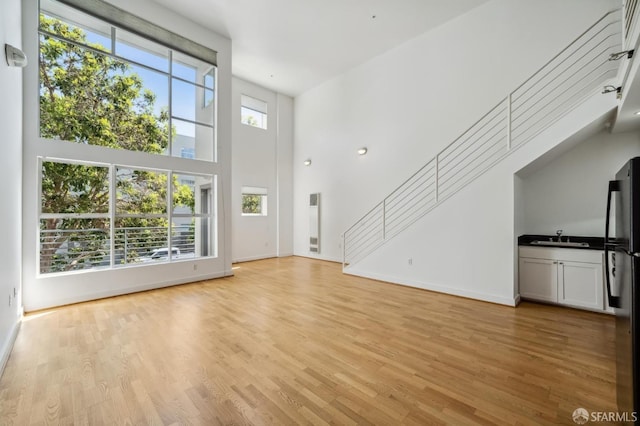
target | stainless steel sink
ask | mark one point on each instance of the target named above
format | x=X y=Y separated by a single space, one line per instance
x=559 y=243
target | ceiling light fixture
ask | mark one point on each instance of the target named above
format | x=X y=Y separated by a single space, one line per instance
x=307 y=162
x=637 y=113
x=362 y=151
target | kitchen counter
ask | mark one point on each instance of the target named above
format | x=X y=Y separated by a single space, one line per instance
x=575 y=242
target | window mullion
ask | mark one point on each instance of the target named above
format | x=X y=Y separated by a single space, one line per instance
x=170 y=106
x=170 y=214
x=113 y=41
x=112 y=214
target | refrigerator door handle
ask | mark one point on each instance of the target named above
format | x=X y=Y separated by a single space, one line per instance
x=614 y=301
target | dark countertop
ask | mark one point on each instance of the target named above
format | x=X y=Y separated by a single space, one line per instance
x=595 y=243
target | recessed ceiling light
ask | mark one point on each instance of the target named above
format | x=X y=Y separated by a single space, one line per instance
x=637 y=113
x=307 y=162
x=362 y=151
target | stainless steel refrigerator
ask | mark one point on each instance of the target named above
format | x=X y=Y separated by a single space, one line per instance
x=624 y=292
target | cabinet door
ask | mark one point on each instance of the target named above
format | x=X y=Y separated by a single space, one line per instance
x=538 y=279
x=580 y=284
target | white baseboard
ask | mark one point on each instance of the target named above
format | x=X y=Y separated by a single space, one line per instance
x=319 y=257
x=8 y=345
x=129 y=290
x=252 y=258
x=437 y=288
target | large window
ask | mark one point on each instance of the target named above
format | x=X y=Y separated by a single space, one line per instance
x=80 y=228
x=102 y=86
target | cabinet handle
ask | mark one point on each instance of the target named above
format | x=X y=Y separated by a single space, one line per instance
x=555 y=263
x=561 y=263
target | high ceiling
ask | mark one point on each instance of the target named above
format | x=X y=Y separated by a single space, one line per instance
x=293 y=45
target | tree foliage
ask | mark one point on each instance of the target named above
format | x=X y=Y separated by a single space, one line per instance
x=91 y=98
x=251 y=204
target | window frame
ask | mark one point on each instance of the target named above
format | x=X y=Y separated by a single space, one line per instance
x=254 y=105
x=198 y=82
x=254 y=191
x=113 y=215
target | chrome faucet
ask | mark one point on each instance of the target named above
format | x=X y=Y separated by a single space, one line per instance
x=559 y=234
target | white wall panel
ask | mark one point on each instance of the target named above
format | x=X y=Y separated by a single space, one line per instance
x=11 y=176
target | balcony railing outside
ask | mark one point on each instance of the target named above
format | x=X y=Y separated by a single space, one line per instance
x=90 y=248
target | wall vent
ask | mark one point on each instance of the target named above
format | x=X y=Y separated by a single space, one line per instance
x=314 y=223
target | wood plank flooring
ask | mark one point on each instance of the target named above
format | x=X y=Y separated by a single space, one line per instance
x=293 y=341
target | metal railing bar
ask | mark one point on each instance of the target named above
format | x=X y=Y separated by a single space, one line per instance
x=366 y=214
x=410 y=177
x=470 y=172
x=497 y=133
x=418 y=181
x=568 y=89
x=629 y=15
x=424 y=202
x=481 y=145
x=363 y=238
x=551 y=122
x=570 y=45
x=499 y=106
x=365 y=228
x=426 y=195
x=356 y=241
x=570 y=72
x=395 y=230
x=517 y=130
x=555 y=83
x=407 y=200
x=46 y=216
x=498 y=120
x=410 y=190
x=375 y=240
x=364 y=250
x=557 y=66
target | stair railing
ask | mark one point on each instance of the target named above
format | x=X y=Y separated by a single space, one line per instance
x=577 y=72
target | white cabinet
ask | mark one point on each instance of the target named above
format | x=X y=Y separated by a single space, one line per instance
x=538 y=279
x=566 y=276
x=581 y=284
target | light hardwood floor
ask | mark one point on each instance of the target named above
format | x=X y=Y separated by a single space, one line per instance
x=293 y=341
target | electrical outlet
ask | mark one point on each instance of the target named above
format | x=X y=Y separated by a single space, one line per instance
x=410 y=261
x=15 y=292
x=195 y=267
x=10 y=298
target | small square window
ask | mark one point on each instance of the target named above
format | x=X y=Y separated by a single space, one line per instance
x=253 y=112
x=254 y=201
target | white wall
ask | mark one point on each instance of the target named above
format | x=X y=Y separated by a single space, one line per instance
x=262 y=158
x=57 y=289
x=410 y=102
x=570 y=192
x=285 y=175
x=11 y=175
x=466 y=246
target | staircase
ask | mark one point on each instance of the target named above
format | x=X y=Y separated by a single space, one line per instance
x=578 y=72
